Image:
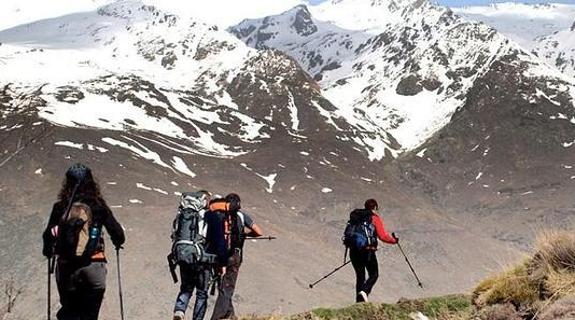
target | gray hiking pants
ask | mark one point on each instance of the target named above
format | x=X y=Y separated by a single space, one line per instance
x=81 y=289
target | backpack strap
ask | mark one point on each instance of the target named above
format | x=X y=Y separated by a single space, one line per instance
x=242 y=219
x=175 y=224
x=202 y=224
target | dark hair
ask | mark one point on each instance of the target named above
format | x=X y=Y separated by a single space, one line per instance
x=371 y=204
x=81 y=175
x=235 y=201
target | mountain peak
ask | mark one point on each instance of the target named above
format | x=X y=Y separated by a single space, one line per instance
x=303 y=23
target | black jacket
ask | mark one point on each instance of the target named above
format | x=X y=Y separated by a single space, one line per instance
x=102 y=216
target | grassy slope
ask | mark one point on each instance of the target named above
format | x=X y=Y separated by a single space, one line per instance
x=453 y=307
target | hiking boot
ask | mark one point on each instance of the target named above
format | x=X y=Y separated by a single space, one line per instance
x=362 y=297
x=178 y=315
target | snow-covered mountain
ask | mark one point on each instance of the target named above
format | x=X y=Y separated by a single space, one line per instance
x=558 y=49
x=522 y=23
x=544 y=29
x=129 y=79
x=408 y=73
x=443 y=87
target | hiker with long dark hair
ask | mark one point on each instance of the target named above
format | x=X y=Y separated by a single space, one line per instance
x=74 y=236
x=237 y=225
x=364 y=228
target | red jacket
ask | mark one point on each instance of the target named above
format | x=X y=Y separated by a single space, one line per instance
x=380 y=230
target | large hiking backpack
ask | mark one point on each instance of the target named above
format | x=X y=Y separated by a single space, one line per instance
x=360 y=231
x=189 y=230
x=233 y=224
x=78 y=236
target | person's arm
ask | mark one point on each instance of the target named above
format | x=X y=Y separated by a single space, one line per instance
x=49 y=235
x=113 y=227
x=380 y=230
x=254 y=230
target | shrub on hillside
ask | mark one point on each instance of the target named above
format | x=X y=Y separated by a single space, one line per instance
x=538 y=281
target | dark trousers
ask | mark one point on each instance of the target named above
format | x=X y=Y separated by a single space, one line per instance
x=362 y=261
x=194 y=277
x=81 y=288
x=224 y=308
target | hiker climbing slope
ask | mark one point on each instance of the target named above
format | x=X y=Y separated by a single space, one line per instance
x=363 y=230
x=236 y=223
x=197 y=246
x=74 y=235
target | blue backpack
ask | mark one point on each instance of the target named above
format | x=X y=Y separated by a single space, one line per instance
x=359 y=232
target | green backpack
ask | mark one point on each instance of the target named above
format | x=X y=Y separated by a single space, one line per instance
x=189 y=230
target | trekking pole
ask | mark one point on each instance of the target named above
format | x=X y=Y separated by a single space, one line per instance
x=120 y=282
x=270 y=238
x=49 y=269
x=409 y=264
x=311 y=285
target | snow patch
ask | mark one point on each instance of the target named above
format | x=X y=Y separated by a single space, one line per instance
x=135 y=201
x=326 y=190
x=70 y=144
x=293 y=112
x=139 y=150
x=270 y=179
x=182 y=167
x=540 y=94
x=161 y=191
x=100 y=149
x=421 y=153
x=142 y=186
